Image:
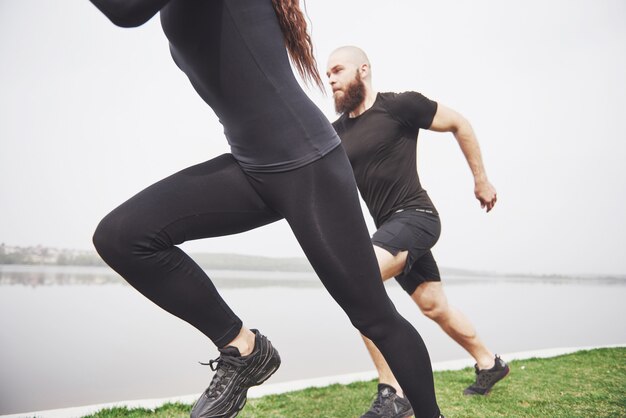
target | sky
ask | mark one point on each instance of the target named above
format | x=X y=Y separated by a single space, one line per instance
x=90 y=114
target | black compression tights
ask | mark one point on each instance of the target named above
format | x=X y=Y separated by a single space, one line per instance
x=320 y=202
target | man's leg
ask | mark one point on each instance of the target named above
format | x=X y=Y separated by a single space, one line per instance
x=432 y=301
x=489 y=369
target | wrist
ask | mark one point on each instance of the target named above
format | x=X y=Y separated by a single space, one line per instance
x=481 y=179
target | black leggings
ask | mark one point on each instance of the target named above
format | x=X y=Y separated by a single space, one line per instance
x=320 y=202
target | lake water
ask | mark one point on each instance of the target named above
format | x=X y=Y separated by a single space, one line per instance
x=67 y=343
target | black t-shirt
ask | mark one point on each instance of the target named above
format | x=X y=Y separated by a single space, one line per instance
x=382 y=146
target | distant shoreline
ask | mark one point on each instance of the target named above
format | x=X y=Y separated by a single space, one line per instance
x=75 y=259
x=251 y=274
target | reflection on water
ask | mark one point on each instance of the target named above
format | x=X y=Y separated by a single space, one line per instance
x=74 y=344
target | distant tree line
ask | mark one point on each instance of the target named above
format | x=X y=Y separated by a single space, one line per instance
x=40 y=255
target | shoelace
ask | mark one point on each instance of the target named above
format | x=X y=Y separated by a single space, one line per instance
x=224 y=368
x=233 y=361
x=377 y=405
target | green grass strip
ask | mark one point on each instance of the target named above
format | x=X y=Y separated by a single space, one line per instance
x=583 y=384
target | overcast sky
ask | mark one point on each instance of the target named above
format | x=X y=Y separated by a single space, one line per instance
x=91 y=114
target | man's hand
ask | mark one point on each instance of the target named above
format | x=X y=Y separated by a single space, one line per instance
x=486 y=195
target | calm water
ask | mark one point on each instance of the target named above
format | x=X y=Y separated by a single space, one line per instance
x=73 y=344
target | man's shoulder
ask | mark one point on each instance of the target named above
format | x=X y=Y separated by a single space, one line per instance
x=397 y=102
x=392 y=96
x=409 y=108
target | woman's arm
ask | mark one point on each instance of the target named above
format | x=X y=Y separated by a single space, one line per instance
x=129 y=13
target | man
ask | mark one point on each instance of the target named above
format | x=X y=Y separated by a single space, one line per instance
x=379 y=133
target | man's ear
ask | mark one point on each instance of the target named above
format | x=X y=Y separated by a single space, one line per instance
x=364 y=70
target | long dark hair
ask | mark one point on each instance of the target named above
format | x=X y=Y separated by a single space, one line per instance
x=297 y=39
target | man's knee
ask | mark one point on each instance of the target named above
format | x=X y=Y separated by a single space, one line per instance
x=436 y=313
x=431 y=301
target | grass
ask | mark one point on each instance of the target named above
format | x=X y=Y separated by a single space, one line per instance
x=583 y=384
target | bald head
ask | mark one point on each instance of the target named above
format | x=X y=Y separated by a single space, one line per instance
x=350 y=55
x=349 y=60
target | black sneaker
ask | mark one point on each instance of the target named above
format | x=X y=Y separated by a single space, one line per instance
x=234 y=374
x=485 y=379
x=389 y=405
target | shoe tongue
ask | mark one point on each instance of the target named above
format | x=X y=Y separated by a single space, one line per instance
x=385 y=389
x=230 y=351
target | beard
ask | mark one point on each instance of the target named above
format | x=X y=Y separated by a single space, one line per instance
x=352 y=97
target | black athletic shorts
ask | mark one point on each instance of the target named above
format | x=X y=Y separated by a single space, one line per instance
x=415 y=231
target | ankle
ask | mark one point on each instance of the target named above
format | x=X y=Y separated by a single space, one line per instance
x=486 y=362
x=394 y=384
x=244 y=342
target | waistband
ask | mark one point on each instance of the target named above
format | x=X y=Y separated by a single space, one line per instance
x=415 y=209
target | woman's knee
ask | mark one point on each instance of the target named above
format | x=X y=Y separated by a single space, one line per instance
x=103 y=237
x=113 y=237
x=376 y=326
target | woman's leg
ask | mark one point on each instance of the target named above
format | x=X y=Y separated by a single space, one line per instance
x=321 y=204
x=138 y=240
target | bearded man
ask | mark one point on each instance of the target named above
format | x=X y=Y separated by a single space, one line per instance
x=379 y=133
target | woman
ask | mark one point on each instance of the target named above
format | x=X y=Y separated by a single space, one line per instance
x=286 y=162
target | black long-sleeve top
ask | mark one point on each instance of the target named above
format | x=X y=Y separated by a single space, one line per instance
x=233 y=53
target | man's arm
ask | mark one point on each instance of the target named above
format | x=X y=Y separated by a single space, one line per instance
x=129 y=13
x=447 y=120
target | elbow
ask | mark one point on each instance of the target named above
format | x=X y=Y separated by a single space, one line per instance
x=461 y=126
x=124 y=23
x=123 y=14
x=128 y=20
